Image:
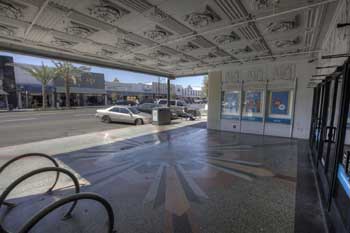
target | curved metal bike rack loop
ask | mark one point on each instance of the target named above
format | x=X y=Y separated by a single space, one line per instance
x=8 y=163
x=35 y=172
x=72 y=198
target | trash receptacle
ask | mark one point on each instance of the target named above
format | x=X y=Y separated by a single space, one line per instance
x=161 y=116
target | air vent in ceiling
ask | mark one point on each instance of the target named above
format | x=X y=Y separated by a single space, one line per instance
x=234 y=9
x=311 y=17
x=202 y=42
x=176 y=26
x=37 y=34
x=78 y=17
x=137 y=5
x=249 y=32
x=259 y=46
x=166 y=20
x=309 y=35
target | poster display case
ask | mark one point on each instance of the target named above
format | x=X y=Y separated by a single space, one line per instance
x=231 y=105
x=280 y=104
x=253 y=105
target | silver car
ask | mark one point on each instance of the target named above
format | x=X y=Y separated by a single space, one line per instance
x=123 y=114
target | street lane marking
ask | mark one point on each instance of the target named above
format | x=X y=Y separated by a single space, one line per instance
x=77 y=115
x=37 y=114
x=23 y=119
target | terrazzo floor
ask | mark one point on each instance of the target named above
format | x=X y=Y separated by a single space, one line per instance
x=186 y=180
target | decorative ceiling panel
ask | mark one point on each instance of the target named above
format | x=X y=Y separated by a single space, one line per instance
x=203 y=18
x=107 y=11
x=158 y=34
x=202 y=42
x=162 y=36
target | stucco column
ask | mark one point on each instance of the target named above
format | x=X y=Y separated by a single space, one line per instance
x=214 y=100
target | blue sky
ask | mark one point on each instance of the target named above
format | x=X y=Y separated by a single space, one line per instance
x=110 y=74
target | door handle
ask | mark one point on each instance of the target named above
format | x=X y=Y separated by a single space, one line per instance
x=330 y=134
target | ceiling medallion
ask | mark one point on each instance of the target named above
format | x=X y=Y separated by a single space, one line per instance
x=281 y=26
x=245 y=50
x=286 y=43
x=63 y=43
x=107 y=12
x=160 y=55
x=139 y=59
x=187 y=47
x=125 y=44
x=6 y=31
x=158 y=34
x=182 y=61
x=79 y=30
x=209 y=56
x=106 y=52
x=9 y=10
x=203 y=19
x=157 y=14
x=227 y=39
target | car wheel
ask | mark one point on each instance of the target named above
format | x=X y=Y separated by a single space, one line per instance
x=106 y=119
x=138 y=122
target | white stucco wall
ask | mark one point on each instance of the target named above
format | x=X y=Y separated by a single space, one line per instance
x=303 y=102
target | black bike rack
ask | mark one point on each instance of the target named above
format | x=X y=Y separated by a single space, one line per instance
x=35 y=172
x=53 y=206
x=8 y=163
x=72 y=198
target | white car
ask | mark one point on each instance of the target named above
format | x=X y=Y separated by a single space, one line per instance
x=123 y=114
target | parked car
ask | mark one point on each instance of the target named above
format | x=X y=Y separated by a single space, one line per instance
x=178 y=106
x=119 y=113
x=148 y=107
x=149 y=101
x=125 y=102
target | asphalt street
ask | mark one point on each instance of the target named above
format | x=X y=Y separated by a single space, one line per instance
x=23 y=127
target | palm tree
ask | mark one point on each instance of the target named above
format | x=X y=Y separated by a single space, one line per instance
x=70 y=74
x=43 y=74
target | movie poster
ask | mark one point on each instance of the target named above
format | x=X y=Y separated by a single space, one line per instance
x=253 y=102
x=231 y=103
x=279 y=102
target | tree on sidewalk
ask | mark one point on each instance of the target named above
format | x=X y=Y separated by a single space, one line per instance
x=70 y=75
x=44 y=74
x=205 y=87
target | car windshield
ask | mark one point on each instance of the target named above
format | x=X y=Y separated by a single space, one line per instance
x=134 y=110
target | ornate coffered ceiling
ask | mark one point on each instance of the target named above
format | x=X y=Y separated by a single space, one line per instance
x=163 y=37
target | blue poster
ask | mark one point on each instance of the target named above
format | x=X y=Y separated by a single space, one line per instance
x=253 y=102
x=279 y=102
x=230 y=104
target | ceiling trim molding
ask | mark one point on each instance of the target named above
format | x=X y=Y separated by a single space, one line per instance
x=17 y=48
